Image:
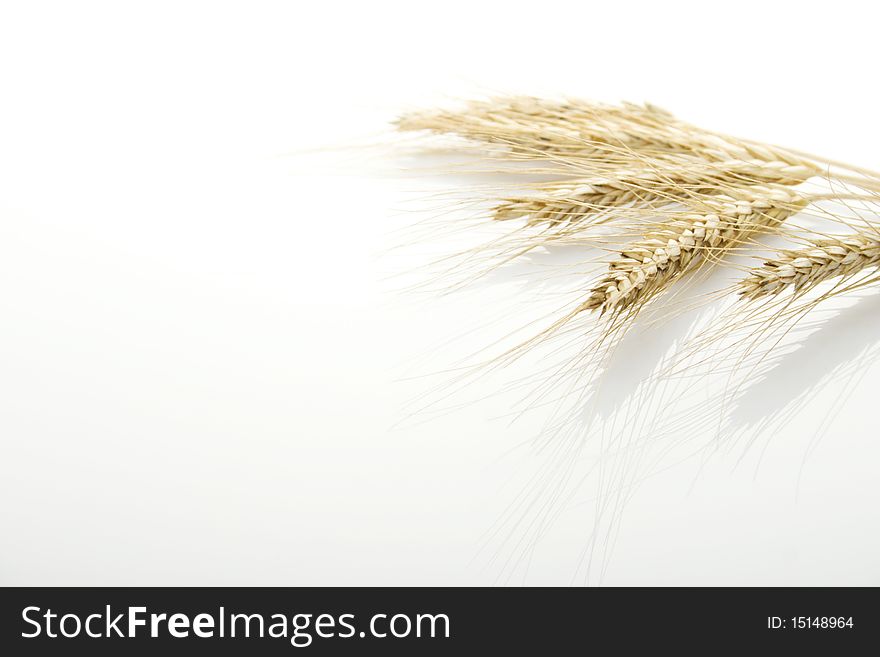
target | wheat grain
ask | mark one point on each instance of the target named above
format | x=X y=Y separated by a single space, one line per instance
x=803 y=269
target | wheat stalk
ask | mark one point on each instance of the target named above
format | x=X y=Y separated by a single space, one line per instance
x=803 y=269
x=635 y=161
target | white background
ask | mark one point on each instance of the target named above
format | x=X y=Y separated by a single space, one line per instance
x=200 y=352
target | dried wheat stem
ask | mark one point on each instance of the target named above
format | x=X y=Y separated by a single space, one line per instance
x=679 y=246
x=802 y=269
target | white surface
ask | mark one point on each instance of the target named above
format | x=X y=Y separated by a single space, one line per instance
x=200 y=352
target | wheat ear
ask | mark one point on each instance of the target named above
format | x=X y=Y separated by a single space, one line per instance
x=569 y=202
x=684 y=242
x=532 y=127
x=574 y=130
x=803 y=269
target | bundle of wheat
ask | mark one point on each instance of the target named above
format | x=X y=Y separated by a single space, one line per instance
x=697 y=195
x=663 y=200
